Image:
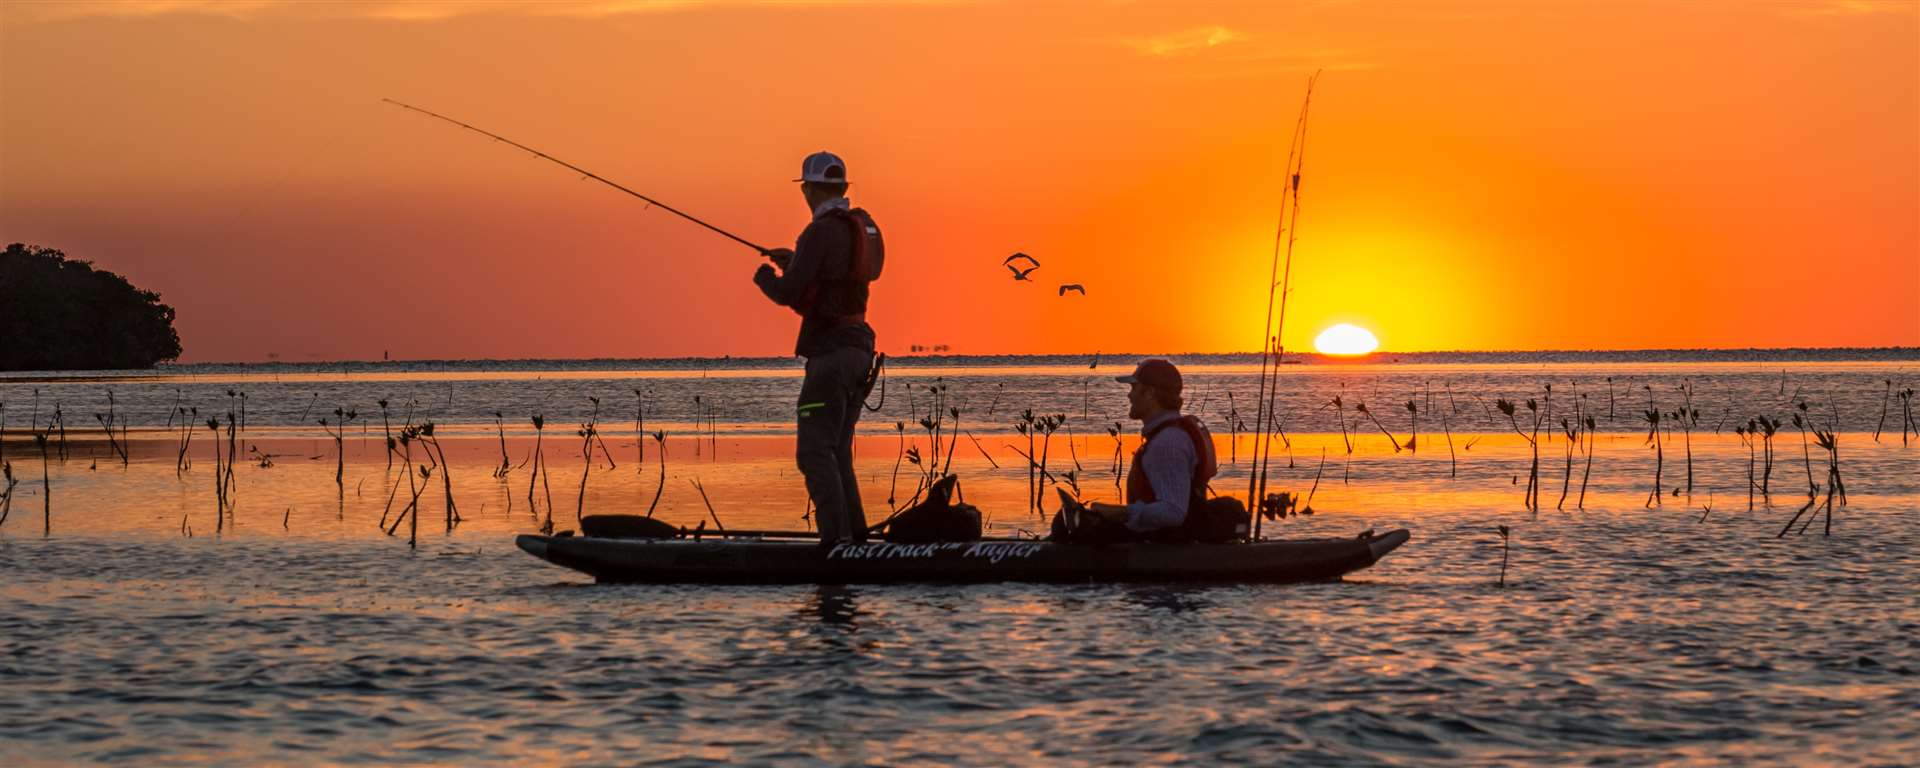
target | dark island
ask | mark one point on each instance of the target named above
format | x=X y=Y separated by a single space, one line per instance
x=62 y=314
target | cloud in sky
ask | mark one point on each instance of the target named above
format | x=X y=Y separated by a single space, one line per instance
x=1184 y=42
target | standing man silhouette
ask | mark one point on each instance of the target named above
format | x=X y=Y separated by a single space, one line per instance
x=824 y=279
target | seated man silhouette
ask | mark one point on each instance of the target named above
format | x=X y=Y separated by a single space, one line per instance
x=1169 y=472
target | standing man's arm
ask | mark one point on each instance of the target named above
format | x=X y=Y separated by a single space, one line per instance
x=816 y=243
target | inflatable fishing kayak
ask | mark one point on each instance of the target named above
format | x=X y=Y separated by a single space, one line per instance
x=737 y=559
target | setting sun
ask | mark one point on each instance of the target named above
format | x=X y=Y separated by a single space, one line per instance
x=1345 y=339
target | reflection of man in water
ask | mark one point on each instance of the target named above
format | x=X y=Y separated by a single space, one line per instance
x=824 y=279
x=833 y=604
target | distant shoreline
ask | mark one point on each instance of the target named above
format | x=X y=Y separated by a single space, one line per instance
x=1107 y=359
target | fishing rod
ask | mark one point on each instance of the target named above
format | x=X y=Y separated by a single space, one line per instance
x=587 y=174
x=1270 y=375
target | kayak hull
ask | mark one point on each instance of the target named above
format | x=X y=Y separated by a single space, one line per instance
x=733 y=561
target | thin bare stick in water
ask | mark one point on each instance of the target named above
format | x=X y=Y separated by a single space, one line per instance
x=953 y=439
x=983 y=451
x=1652 y=415
x=893 y=486
x=386 y=428
x=1033 y=464
x=1048 y=426
x=446 y=471
x=1307 y=507
x=219 y=477
x=1025 y=426
x=46 y=487
x=392 y=493
x=704 y=500
x=1113 y=431
x=1586 y=474
x=580 y=504
x=413 y=515
x=1570 y=428
x=1687 y=417
x=1768 y=428
x=661 y=438
x=1391 y=440
x=1907 y=424
x=546 y=488
x=1533 y=441
x=1339 y=412
x=6 y=496
x=233 y=447
x=500 y=428
x=60 y=422
x=1413 y=438
x=640 y=429
x=539 y=433
x=1446 y=425
x=1884 y=396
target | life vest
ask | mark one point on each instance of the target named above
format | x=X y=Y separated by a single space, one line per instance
x=843 y=297
x=1140 y=489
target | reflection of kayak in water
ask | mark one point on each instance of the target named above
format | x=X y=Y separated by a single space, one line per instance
x=744 y=560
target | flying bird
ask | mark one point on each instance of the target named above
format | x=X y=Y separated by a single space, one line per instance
x=1018 y=273
x=1073 y=287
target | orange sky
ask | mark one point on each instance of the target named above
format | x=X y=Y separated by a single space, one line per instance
x=1479 y=175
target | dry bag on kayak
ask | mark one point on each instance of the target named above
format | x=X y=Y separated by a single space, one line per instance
x=936 y=519
x=1215 y=521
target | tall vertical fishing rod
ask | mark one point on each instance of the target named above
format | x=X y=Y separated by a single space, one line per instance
x=1271 y=345
x=587 y=174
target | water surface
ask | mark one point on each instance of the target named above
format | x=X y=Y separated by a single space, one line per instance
x=301 y=633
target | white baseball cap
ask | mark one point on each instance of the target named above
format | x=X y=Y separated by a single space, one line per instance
x=823 y=167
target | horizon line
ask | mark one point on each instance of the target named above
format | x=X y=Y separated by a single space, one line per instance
x=950 y=354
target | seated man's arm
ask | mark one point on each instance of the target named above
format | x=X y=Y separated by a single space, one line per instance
x=1169 y=470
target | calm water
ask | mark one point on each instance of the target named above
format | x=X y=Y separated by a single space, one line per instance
x=302 y=634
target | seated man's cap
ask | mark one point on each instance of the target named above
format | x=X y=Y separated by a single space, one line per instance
x=823 y=167
x=1154 y=372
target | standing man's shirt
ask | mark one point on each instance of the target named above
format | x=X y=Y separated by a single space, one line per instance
x=1169 y=460
x=824 y=252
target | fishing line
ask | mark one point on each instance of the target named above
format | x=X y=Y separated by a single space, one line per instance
x=586 y=174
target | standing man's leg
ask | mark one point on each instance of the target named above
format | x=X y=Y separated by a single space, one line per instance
x=821 y=415
x=857 y=364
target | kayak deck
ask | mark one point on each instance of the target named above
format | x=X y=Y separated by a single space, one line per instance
x=735 y=561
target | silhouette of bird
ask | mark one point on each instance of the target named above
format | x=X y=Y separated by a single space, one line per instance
x=1073 y=287
x=1096 y=361
x=1018 y=273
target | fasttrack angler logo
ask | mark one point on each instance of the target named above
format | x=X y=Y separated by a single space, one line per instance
x=991 y=551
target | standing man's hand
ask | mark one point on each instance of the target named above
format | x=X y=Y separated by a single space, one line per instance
x=764 y=276
x=781 y=256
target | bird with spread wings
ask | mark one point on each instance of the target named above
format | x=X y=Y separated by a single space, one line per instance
x=1018 y=273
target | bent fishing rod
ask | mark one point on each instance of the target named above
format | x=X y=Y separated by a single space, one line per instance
x=586 y=174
